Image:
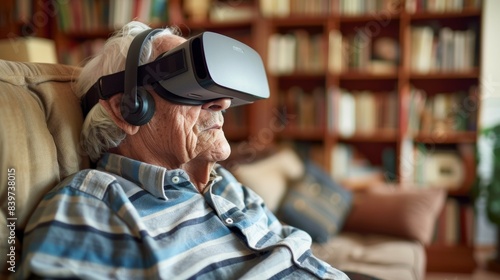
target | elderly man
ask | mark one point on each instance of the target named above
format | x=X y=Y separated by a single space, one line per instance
x=158 y=206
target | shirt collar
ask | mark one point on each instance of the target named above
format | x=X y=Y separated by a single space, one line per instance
x=151 y=178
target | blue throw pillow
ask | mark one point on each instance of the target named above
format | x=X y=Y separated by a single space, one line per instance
x=316 y=204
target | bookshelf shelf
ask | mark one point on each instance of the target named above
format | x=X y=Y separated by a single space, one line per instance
x=360 y=76
x=459 y=192
x=445 y=258
x=447 y=138
x=302 y=21
x=463 y=14
x=391 y=15
x=301 y=75
x=381 y=136
x=307 y=134
x=231 y=25
x=447 y=75
x=88 y=35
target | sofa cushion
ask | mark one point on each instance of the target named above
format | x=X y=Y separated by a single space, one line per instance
x=41 y=121
x=385 y=257
x=269 y=176
x=402 y=212
x=316 y=204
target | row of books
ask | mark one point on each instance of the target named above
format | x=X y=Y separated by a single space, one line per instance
x=433 y=167
x=442 y=112
x=455 y=224
x=90 y=15
x=303 y=109
x=357 y=112
x=287 y=8
x=366 y=112
x=297 y=51
x=361 y=52
x=443 y=49
x=354 y=170
x=368 y=7
x=301 y=51
x=439 y=6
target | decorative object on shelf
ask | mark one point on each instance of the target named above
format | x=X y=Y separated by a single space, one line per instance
x=197 y=10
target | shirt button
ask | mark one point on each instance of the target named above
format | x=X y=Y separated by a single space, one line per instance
x=229 y=221
x=175 y=179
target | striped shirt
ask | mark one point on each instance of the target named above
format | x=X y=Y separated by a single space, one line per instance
x=132 y=220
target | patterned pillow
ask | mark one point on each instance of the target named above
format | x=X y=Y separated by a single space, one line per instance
x=316 y=204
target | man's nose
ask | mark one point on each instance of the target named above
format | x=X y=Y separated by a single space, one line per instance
x=217 y=104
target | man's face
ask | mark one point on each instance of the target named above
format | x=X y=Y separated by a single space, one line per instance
x=182 y=133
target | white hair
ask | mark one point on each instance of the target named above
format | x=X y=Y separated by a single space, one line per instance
x=99 y=131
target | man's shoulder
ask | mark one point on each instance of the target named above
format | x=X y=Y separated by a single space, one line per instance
x=88 y=181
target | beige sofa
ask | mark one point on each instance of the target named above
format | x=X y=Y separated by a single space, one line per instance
x=40 y=122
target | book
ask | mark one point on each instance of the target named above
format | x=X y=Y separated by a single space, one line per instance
x=335 y=52
x=346 y=114
x=422 y=40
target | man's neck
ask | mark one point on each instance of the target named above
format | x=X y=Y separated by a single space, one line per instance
x=199 y=173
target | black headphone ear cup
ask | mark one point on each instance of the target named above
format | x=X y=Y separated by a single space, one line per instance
x=143 y=113
x=137 y=105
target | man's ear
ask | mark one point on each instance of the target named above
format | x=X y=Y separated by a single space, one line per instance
x=112 y=106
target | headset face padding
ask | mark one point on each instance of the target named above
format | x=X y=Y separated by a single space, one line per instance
x=137 y=105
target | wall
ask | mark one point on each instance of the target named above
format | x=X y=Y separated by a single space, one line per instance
x=490 y=107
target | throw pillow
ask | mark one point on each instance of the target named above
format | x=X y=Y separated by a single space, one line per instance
x=401 y=212
x=268 y=176
x=316 y=204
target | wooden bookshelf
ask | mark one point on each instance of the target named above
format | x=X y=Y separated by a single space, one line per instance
x=443 y=258
x=395 y=24
x=346 y=57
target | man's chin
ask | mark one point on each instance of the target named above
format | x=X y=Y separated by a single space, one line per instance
x=219 y=151
x=224 y=152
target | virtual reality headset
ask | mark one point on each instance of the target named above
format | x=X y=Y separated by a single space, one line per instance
x=206 y=67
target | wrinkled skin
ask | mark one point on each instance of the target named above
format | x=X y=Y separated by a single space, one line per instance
x=178 y=136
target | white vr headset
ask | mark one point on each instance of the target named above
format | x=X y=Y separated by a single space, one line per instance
x=206 y=67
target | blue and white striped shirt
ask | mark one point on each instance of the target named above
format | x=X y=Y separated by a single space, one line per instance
x=132 y=220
